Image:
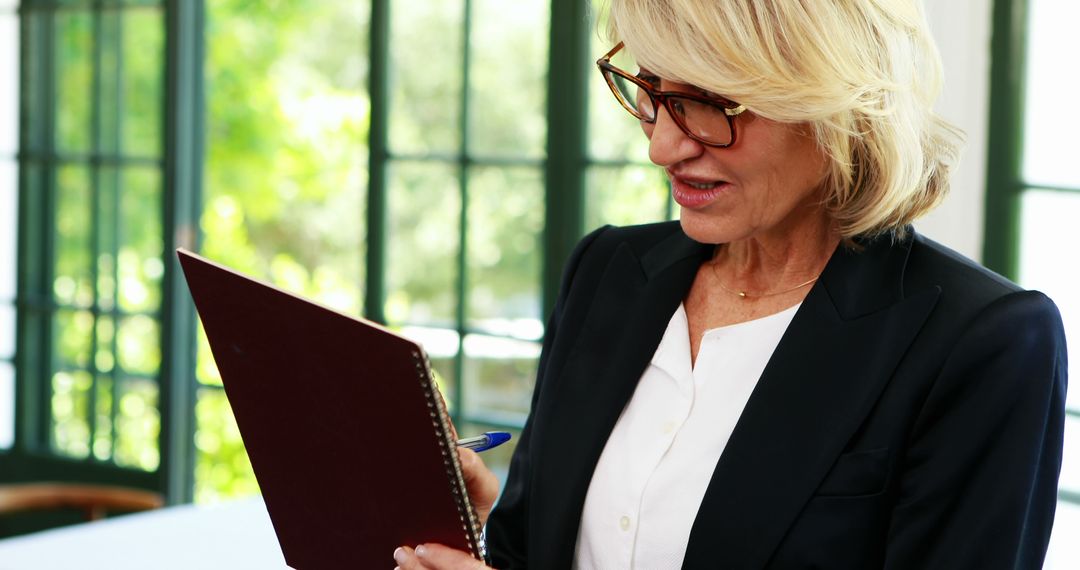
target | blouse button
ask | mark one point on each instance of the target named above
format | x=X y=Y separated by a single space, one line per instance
x=624 y=522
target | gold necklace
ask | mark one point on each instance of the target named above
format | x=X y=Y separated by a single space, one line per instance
x=745 y=295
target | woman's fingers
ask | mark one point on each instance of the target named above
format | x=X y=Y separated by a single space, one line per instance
x=481 y=483
x=435 y=557
x=406 y=559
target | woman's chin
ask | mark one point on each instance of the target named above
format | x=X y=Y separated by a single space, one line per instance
x=703 y=228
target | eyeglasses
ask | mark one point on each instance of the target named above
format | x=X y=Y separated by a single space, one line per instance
x=708 y=120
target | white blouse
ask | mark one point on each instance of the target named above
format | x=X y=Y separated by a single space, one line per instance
x=657 y=463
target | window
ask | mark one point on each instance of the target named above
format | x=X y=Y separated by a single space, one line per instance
x=1034 y=193
x=91 y=159
x=426 y=167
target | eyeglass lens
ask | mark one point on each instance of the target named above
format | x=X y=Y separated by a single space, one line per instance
x=703 y=120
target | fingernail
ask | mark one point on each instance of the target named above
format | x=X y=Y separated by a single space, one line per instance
x=399 y=555
x=421 y=551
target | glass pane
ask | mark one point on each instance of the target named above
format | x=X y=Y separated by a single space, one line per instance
x=507 y=77
x=1050 y=147
x=138 y=423
x=7 y=331
x=9 y=85
x=441 y=346
x=498 y=459
x=103 y=418
x=425 y=84
x=422 y=243
x=72 y=284
x=206 y=371
x=626 y=195
x=613 y=133
x=74 y=80
x=141 y=247
x=9 y=219
x=286 y=168
x=1070 y=467
x=506 y=222
x=138 y=345
x=285 y=189
x=7 y=405
x=72 y=334
x=1048 y=218
x=499 y=375
x=108 y=234
x=143 y=72
x=110 y=81
x=1064 y=551
x=222 y=468
x=70 y=404
x=105 y=344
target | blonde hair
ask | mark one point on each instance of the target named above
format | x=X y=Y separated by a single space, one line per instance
x=863 y=74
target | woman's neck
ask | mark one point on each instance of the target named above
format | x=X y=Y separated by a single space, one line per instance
x=770 y=262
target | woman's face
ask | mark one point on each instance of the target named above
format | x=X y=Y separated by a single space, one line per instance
x=769 y=183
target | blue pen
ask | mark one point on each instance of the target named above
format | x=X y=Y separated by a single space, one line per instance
x=484 y=442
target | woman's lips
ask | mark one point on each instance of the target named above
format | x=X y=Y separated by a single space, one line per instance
x=690 y=193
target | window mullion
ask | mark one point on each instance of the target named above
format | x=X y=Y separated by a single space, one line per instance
x=461 y=311
x=567 y=123
x=378 y=79
x=36 y=233
x=96 y=214
x=1006 y=141
x=182 y=203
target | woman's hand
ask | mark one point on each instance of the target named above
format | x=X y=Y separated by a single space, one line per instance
x=435 y=557
x=483 y=489
x=480 y=482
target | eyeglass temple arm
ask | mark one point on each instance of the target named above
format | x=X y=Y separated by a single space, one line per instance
x=607 y=56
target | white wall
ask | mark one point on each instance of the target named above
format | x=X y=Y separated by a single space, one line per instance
x=962 y=30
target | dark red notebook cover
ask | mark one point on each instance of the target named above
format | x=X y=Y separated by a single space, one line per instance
x=344 y=427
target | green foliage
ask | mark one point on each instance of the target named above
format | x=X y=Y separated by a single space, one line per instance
x=287 y=127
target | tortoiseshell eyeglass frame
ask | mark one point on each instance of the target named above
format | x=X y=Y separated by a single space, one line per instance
x=659 y=98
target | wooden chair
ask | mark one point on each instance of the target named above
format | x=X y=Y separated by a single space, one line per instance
x=95 y=501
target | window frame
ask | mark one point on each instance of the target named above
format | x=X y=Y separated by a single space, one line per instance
x=563 y=169
x=30 y=457
x=1005 y=184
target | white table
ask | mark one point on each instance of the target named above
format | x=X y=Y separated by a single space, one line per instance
x=238 y=536
x=234 y=535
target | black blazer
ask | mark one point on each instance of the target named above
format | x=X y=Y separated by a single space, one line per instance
x=911 y=416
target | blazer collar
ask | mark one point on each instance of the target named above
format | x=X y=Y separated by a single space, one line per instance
x=869 y=277
x=675 y=248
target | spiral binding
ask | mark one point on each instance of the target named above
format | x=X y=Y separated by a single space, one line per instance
x=470 y=521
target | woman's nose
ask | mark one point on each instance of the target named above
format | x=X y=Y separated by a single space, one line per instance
x=668 y=144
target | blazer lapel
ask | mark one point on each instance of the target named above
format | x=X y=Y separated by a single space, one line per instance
x=619 y=336
x=821 y=382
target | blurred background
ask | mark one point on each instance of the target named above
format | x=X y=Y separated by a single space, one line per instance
x=427 y=164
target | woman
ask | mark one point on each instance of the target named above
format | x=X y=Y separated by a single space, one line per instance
x=789 y=377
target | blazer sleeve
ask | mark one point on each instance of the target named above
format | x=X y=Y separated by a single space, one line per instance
x=507 y=528
x=979 y=480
